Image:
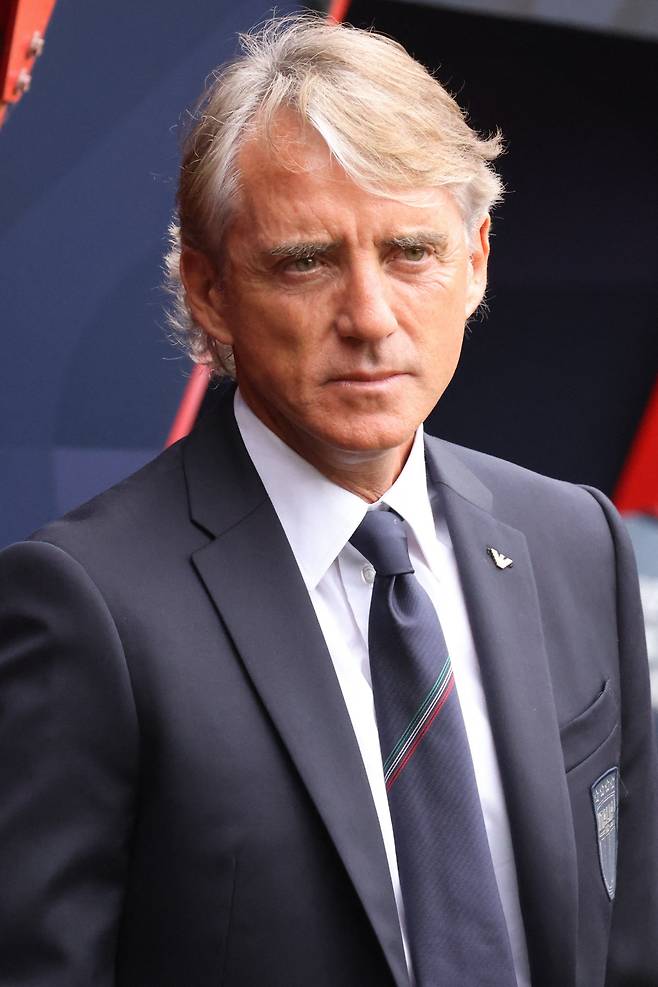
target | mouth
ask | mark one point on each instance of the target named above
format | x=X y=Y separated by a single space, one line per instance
x=364 y=379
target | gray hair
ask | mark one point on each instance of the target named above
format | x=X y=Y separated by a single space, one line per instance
x=383 y=116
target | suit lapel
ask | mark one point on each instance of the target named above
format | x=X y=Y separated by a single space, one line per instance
x=505 y=618
x=251 y=574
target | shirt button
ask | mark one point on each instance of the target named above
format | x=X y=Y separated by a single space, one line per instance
x=368 y=574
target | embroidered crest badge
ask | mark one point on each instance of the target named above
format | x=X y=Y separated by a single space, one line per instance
x=605 y=800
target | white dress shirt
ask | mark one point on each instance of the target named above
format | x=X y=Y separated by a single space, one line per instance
x=319 y=518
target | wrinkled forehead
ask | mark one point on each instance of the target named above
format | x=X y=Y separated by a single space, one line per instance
x=280 y=152
x=284 y=142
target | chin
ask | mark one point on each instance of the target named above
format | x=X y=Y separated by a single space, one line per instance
x=371 y=437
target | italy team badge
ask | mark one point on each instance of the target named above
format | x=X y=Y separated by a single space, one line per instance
x=605 y=800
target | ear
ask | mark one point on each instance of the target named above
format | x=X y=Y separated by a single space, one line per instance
x=203 y=293
x=477 y=267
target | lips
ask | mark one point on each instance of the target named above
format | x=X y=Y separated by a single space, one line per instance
x=364 y=377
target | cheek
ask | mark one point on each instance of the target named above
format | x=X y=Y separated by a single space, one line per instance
x=260 y=331
x=439 y=350
x=276 y=355
x=441 y=299
x=442 y=328
x=288 y=323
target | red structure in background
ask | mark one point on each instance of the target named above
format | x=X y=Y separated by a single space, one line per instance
x=189 y=406
x=637 y=489
x=338 y=10
x=198 y=382
x=23 y=26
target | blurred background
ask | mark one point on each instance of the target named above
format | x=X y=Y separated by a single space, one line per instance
x=559 y=377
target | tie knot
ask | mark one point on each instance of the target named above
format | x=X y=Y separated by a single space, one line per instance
x=382 y=540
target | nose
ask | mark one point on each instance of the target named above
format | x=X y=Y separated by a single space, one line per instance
x=364 y=311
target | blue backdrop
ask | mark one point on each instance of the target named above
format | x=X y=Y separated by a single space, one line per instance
x=88 y=382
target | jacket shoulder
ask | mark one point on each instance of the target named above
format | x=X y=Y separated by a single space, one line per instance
x=135 y=502
x=521 y=496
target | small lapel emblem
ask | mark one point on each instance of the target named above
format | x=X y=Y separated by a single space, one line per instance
x=502 y=562
x=605 y=801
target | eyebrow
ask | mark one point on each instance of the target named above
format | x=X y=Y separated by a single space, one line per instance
x=298 y=249
x=418 y=238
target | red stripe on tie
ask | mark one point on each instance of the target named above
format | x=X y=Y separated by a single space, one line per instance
x=414 y=747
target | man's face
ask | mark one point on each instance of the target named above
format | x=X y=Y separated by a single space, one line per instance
x=345 y=310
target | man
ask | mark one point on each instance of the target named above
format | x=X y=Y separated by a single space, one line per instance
x=196 y=668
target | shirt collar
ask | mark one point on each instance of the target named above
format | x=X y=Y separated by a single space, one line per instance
x=317 y=516
x=410 y=499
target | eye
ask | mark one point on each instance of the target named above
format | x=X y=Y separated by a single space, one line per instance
x=304 y=264
x=415 y=252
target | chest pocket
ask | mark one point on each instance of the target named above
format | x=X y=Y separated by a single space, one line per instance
x=587 y=732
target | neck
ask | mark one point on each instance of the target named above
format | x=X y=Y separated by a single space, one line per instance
x=367 y=474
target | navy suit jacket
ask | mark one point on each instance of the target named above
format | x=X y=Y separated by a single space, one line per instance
x=182 y=800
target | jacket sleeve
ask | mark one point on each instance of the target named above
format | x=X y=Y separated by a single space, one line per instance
x=633 y=951
x=68 y=765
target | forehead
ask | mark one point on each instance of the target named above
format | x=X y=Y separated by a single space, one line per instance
x=286 y=142
x=290 y=180
x=289 y=161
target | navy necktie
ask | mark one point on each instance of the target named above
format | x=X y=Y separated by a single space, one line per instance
x=455 y=922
